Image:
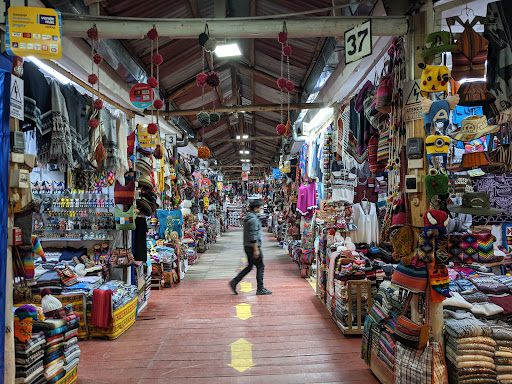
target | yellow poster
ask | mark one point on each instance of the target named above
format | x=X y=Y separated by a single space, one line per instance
x=220 y=185
x=34 y=32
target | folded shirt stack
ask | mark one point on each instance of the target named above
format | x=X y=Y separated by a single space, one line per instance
x=470 y=348
x=29 y=360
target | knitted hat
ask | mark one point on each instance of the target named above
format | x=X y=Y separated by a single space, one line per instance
x=438 y=42
x=26 y=311
x=48 y=302
x=436 y=185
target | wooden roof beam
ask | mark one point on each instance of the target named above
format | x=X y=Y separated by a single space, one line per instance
x=240 y=108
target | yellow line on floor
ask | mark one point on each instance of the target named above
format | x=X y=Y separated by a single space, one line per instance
x=241 y=355
x=243 y=311
x=246 y=286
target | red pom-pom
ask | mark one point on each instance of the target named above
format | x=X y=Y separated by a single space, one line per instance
x=153 y=34
x=44 y=292
x=92 y=33
x=152 y=128
x=93 y=123
x=281 y=129
x=92 y=79
x=98 y=104
x=213 y=79
x=158 y=59
x=158 y=104
x=282 y=37
x=97 y=58
x=201 y=79
x=287 y=50
x=152 y=82
x=290 y=86
x=281 y=83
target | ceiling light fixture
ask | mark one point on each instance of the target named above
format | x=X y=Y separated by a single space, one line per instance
x=238 y=137
x=227 y=50
x=246 y=152
x=245 y=136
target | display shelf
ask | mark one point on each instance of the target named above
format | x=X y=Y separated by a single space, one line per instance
x=74 y=240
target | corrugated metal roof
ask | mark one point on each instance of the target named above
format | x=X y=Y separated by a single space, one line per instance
x=183 y=60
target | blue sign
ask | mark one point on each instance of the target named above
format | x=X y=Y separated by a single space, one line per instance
x=276 y=173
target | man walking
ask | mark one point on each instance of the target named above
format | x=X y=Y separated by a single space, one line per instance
x=252 y=246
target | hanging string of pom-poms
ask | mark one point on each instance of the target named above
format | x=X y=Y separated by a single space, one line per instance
x=284 y=84
x=154 y=82
x=94 y=77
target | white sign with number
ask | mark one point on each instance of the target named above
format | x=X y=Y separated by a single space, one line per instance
x=170 y=139
x=358 y=42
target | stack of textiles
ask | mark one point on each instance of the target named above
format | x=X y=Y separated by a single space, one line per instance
x=470 y=349
x=54 y=349
x=502 y=334
x=29 y=360
x=71 y=350
x=481 y=305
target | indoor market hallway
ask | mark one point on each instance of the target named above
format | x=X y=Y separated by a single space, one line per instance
x=199 y=332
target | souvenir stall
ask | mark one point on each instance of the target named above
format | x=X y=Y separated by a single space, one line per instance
x=447 y=213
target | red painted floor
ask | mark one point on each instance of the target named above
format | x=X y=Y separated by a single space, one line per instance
x=184 y=334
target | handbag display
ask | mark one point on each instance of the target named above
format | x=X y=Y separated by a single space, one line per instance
x=425 y=366
x=413 y=277
x=485 y=243
x=67 y=276
x=306 y=256
x=124 y=194
x=122 y=257
x=384 y=94
x=125 y=221
x=408 y=332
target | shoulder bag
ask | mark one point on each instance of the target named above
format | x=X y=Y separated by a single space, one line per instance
x=125 y=221
x=408 y=332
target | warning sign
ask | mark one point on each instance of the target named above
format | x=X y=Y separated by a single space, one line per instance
x=412 y=108
x=17 y=98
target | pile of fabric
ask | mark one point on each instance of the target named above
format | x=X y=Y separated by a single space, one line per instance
x=470 y=348
x=29 y=360
x=71 y=350
x=502 y=334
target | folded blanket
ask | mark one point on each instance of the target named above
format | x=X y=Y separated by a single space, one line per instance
x=69 y=343
x=25 y=352
x=460 y=348
x=22 y=372
x=504 y=279
x=464 y=352
x=486 y=309
x=30 y=379
x=474 y=364
x=504 y=301
x=502 y=377
x=54 y=366
x=488 y=284
x=506 y=354
x=55 y=331
x=477 y=339
x=54 y=339
x=26 y=362
x=70 y=334
x=457 y=301
x=73 y=356
x=500 y=332
x=464 y=358
x=461 y=325
x=72 y=364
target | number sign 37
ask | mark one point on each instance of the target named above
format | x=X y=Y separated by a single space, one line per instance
x=358 y=42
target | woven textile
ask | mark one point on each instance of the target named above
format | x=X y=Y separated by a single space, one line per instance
x=469 y=247
x=469 y=59
x=485 y=247
x=420 y=367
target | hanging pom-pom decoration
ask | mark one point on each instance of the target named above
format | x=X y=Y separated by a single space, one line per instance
x=282 y=37
x=288 y=131
x=203 y=38
x=100 y=154
x=92 y=33
x=281 y=129
x=92 y=79
x=98 y=104
x=203 y=152
x=203 y=118
x=158 y=59
x=281 y=83
x=158 y=154
x=97 y=58
x=287 y=50
x=290 y=86
x=152 y=82
x=158 y=104
x=173 y=160
x=214 y=117
x=210 y=45
x=152 y=128
x=212 y=79
x=93 y=123
x=153 y=34
x=201 y=79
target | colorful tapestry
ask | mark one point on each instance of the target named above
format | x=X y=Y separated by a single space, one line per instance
x=303 y=159
x=122 y=320
x=499 y=188
x=507 y=236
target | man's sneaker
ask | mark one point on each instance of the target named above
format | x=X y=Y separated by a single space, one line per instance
x=232 y=284
x=264 y=291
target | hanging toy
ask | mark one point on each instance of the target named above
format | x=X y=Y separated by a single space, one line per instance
x=158 y=154
x=93 y=79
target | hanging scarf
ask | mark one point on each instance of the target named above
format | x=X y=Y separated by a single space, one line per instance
x=60 y=145
x=110 y=140
x=122 y=145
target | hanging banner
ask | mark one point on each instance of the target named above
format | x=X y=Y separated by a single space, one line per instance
x=34 y=32
x=285 y=166
x=141 y=95
x=246 y=167
x=358 y=42
x=276 y=173
x=227 y=187
x=245 y=176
